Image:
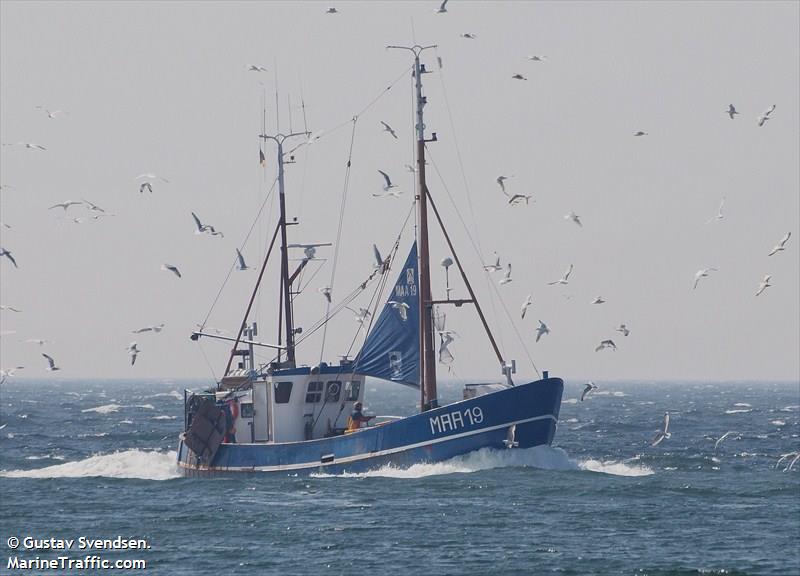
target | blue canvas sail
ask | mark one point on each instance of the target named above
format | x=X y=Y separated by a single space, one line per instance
x=391 y=351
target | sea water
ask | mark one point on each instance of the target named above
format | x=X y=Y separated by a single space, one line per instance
x=94 y=462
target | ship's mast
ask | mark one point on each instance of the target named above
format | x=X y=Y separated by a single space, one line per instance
x=429 y=398
x=286 y=292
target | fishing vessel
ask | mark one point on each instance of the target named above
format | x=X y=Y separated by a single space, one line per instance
x=288 y=417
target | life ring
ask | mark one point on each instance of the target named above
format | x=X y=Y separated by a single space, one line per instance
x=333 y=391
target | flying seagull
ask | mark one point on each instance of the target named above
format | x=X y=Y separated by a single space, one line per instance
x=542 y=330
x=535 y=58
x=574 y=217
x=507 y=278
x=640 y=133
x=526 y=304
x=7 y=254
x=731 y=111
x=721 y=438
x=145 y=186
x=401 y=307
x=624 y=329
x=52 y=114
x=240 y=265
x=158 y=328
x=380 y=263
x=598 y=300
x=331 y=10
x=255 y=68
x=38 y=341
x=515 y=199
x=361 y=314
x=518 y=77
x=494 y=267
x=765 y=116
x=9 y=308
x=764 y=284
x=325 y=291
x=661 y=434
x=93 y=207
x=719 y=215
x=589 y=387
x=564 y=279
x=28 y=145
x=779 y=247
x=511 y=434
x=795 y=455
x=442 y=8
x=389 y=129
x=51 y=363
x=606 y=344
x=469 y=36
x=702 y=274
x=204 y=227
x=151 y=176
x=133 y=350
x=65 y=205
x=501 y=181
x=171 y=268
x=388 y=186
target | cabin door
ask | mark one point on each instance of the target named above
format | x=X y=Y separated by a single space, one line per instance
x=261 y=412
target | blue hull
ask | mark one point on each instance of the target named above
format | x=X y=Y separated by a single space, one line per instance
x=431 y=436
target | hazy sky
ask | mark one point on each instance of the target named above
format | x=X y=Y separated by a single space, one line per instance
x=163 y=87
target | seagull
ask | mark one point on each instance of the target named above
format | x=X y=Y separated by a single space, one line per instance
x=795 y=455
x=151 y=176
x=624 y=329
x=702 y=274
x=574 y=217
x=158 y=328
x=731 y=111
x=331 y=10
x=507 y=278
x=719 y=215
x=514 y=199
x=764 y=284
x=536 y=58
x=510 y=440
x=389 y=129
x=50 y=114
x=542 y=330
x=526 y=304
x=255 y=68
x=518 y=77
x=7 y=254
x=501 y=182
x=598 y=300
x=205 y=227
x=469 y=36
x=779 y=247
x=494 y=267
x=662 y=433
x=379 y=261
x=51 y=363
x=589 y=387
x=388 y=186
x=393 y=193
x=606 y=344
x=66 y=204
x=446 y=338
x=325 y=291
x=765 y=116
x=28 y=145
x=721 y=438
x=442 y=9
x=145 y=186
x=401 y=307
x=564 y=279
x=439 y=62
x=9 y=308
x=640 y=133
x=93 y=207
x=240 y=265
x=9 y=372
x=171 y=268
x=361 y=315
x=38 y=341
x=133 y=350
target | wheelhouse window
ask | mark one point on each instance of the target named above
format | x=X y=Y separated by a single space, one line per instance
x=283 y=391
x=247 y=410
x=333 y=389
x=351 y=390
x=313 y=392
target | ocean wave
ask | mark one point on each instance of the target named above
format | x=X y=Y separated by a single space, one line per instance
x=126 y=464
x=105 y=409
x=542 y=457
x=739 y=411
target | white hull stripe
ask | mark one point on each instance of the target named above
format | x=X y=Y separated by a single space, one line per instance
x=349 y=459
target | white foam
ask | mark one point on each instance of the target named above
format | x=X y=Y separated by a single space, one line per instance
x=778 y=422
x=127 y=464
x=790 y=408
x=542 y=457
x=570 y=401
x=164 y=417
x=105 y=409
x=738 y=411
x=743 y=404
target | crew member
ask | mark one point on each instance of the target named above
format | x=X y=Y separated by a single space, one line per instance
x=356 y=418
